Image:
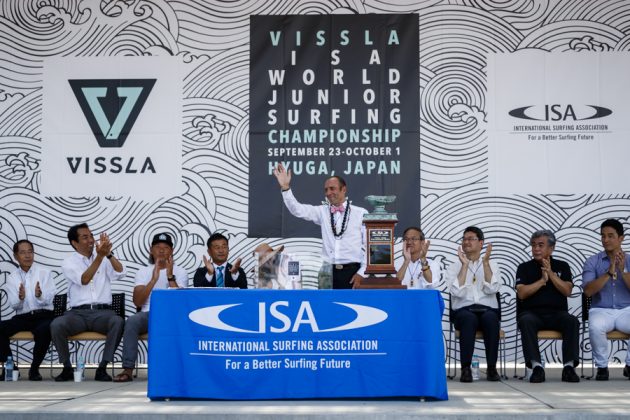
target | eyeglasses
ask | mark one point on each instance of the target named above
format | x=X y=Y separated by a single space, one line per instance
x=412 y=239
x=25 y=253
x=469 y=239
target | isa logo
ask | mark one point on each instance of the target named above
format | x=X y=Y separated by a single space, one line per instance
x=112 y=127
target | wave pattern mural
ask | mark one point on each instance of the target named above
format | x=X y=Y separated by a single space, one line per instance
x=212 y=37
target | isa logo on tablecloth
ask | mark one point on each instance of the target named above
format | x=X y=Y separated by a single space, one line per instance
x=276 y=318
x=112 y=127
x=252 y=334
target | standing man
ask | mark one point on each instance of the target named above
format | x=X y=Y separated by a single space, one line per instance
x=542 y=287
x=416 y=271
x=90 y=270
x=474 y=282
x=343 y=232
x=606 y=278
x=160 y=274
x=217 y=272
x=30 y=292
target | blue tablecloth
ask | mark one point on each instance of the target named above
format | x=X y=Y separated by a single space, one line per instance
x=271 y=344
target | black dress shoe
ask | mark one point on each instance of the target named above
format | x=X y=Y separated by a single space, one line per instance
x=102 y=376
x=538 y=375
x=33 y=375
x=466 y=375
x=569 y=375
x=626 y=371
x=492 y=375
x=602 y=374
x=65 y=375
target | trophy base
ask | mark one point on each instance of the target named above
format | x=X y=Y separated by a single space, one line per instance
x=386 y=282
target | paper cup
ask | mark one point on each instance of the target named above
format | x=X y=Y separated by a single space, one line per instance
x=78 y=376
x=16 y=375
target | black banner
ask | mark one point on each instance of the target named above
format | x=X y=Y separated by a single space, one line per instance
x=333 y=95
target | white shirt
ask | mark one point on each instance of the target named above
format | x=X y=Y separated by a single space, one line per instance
x=143 y=277
x=30 y=278
x=350 y=247
x=414 y=271
x=478 y=292
x=98 y=290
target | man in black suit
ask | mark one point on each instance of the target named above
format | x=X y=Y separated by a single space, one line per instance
x=217 y=272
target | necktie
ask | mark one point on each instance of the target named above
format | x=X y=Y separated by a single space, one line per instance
x=220 y=282
x=336 y=209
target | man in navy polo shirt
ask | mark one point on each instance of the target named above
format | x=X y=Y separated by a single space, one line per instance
x=542 y=286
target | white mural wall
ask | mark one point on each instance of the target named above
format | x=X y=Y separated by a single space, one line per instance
x=211 y=40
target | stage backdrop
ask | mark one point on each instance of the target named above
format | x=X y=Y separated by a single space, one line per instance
x=333 y=95
x=479 y=77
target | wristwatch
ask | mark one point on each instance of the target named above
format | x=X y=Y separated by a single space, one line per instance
x=171 y=278
x=109 y=257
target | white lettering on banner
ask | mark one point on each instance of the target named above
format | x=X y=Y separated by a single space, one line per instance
x=210 y=317
x=221 y=346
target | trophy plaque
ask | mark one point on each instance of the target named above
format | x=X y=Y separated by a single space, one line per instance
x=379 y=226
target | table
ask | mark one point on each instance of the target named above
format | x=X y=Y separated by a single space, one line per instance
x=272 y=344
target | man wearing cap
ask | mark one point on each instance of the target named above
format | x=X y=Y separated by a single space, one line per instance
x=89 y=271
x=161 y=273
x=30 y=292
x=217 y=272
x=343 y=232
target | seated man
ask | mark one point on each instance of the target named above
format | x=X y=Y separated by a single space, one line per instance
x=30 y=292
x=161 y=274
x=416 y=271
x=474 y=282
x=606 y=278
x=543 y=285
x=90 y=273
x=217 y=272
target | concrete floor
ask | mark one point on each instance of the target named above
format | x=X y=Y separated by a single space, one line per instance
x=512 y=398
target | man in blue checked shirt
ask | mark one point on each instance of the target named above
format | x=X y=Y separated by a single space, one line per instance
x=606 y=278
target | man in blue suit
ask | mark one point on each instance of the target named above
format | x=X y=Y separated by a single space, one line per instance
x=217 y=272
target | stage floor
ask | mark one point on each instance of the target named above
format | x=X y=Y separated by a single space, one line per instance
x=512 y=398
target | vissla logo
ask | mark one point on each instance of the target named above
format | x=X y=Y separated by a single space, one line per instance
x=560 y=112
x=211 y=317
x=111 y=106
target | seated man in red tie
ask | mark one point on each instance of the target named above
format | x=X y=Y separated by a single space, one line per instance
x=343 y=232
x=217 y=272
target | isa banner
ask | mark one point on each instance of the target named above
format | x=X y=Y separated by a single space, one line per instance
x=270 y=344
x=112 y=126
x=333 y=95
x=558 y=122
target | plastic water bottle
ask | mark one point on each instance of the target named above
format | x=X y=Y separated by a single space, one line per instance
x=474 y=367
x=81 y=366
x=8 y=369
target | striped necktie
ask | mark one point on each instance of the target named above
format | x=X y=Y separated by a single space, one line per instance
x=220 y=282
